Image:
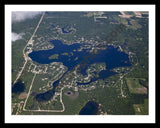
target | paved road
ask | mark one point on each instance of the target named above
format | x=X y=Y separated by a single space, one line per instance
x=39 y=110
x=24 y=54
x=19 y=74
x=29 y=92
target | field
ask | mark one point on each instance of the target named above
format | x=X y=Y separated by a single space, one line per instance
x=139 y=91
x=135 y=87
x=125 y=93
x=141 y=109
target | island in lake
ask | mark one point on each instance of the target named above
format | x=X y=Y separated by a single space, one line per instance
x=63 y=64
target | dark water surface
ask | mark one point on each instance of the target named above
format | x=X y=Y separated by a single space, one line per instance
x=18 y=87
x=91 y=108
x=111 y=56
x=66 y=31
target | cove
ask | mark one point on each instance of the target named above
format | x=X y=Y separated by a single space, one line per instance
x=102 y=75
x=72 y=57
x=46 y=96
x=64 y=31
x=111 y=56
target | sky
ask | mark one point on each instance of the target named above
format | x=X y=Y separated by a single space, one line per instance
x=19 y=16
x=16 y=36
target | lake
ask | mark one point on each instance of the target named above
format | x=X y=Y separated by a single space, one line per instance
x=111 y=56
x=70 y=56
x=90 y=108
x=18 y=87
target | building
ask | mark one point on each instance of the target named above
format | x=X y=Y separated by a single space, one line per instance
x=76 y=89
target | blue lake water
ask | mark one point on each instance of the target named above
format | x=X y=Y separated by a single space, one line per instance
x=111 y=56
x=64 y=31
x=45 y=96
x=102 y=75
x=91 y=108
x=18 y=87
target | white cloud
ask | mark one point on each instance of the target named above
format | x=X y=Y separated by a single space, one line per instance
x=22 y=15
x=16 y=36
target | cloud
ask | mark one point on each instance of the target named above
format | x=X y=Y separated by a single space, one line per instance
x=16 y=36
x=19 y=16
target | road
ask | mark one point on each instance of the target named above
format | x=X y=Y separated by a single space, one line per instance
x=121 y=78
x=61 y=100
x=122 y=75
x=24 y=54
x=19 y=74
x=29 y=92
x=39 y=110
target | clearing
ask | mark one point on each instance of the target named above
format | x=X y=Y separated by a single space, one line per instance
x=135 y=87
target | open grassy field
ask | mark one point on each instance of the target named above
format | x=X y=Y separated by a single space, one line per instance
x=135 y=87
x=141 y=109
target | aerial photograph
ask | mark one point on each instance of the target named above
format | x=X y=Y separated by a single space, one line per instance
x=80 y=63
